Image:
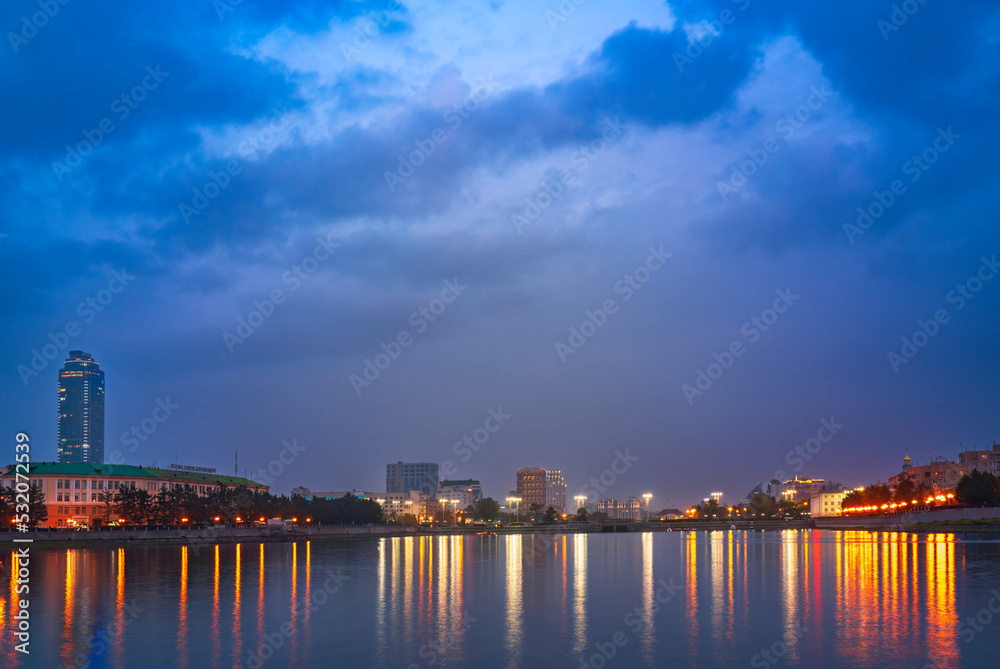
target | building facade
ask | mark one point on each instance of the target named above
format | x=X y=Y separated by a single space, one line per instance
x=531 y=488
x=333 y=494
x=796 y=489
x=827 y=503
x=404 y=477
x=941 y=474
x=396 y=505
x=72 y=490
x=985 y=461
x=631 y=509
x=468 y=492
x=80 y=430
x=555 y=490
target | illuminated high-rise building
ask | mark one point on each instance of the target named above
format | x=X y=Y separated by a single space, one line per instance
x=404 y=477
x=531 y=488
x=81 y=410
x=555 y=490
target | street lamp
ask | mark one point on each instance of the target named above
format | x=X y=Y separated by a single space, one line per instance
x=647 y=496
x=516 y=501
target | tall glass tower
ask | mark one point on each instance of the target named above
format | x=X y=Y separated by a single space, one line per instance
x=81 y=410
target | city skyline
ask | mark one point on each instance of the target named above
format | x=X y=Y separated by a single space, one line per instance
x=703 y=289
x=81 y=373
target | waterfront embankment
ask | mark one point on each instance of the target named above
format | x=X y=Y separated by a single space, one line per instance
x=932 y=520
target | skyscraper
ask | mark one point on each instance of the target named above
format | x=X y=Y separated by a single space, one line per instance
x=81 y=410
x=406 y=476
x=531 y=487
x=555 y=489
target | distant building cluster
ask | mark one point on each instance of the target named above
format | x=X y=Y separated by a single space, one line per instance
x=939 y=477
x=75 y=492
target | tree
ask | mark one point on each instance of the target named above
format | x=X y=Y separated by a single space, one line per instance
x=878 y=494
x=535 y=509
x=550 y=515
x=598 y=516
x=107 y=499
x=853 y=499
x=762 y=506
x=581 y=515
x=978 y=489
x=134 y=506
x=6 y=508
x=37 y=512
x=792 y=509
x=710 y=510
x=487 y=509
x=906 y=491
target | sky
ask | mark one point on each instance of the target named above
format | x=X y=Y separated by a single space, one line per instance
x=666 y=244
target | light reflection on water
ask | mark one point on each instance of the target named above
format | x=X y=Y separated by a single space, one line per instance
x=517 y=601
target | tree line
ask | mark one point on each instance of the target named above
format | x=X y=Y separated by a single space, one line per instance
x=239 y=505
x=977 y=488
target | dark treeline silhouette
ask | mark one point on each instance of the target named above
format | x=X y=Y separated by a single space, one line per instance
x=182 y=505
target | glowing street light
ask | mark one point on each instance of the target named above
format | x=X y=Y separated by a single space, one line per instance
x=517 y=510
x=647 y=496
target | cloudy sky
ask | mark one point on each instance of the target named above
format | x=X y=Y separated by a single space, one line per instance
x=570 y=214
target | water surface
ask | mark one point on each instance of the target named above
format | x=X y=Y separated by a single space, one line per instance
x=798 y=598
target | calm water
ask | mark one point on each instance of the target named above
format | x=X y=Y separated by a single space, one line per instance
x=814 y=599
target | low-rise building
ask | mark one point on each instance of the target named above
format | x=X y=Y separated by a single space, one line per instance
x=467 y=492
x=941 y=474
x=987 y=461
x=395 y=505
x=796 y=489
x=72 y=490
x=332 y=494
x=827 y=503
x=631 y=509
